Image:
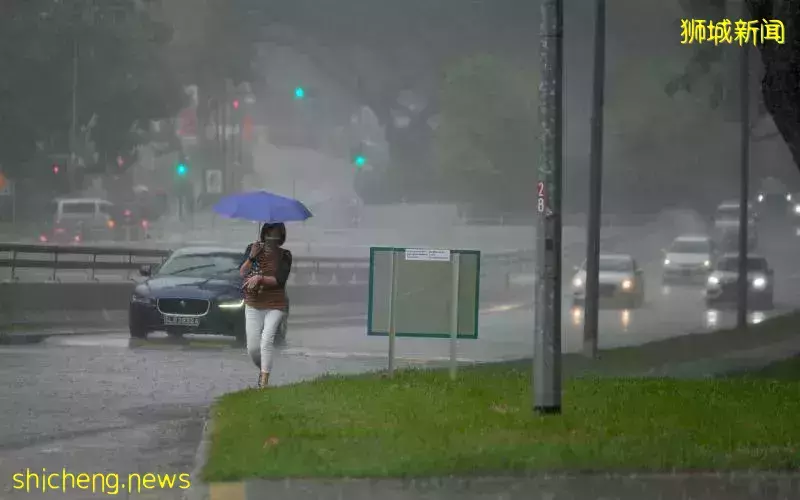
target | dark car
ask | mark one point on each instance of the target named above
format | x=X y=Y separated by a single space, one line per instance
x=197 y=290
x=722 y=285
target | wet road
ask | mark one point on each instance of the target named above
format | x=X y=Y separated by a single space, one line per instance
x=95 y=404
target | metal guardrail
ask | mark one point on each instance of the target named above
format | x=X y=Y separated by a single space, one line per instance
x=130 y=259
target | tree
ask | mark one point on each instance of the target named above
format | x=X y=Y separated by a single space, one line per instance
x=122 y=81
x=780 y=86
x=378 y=49
x=486 y=141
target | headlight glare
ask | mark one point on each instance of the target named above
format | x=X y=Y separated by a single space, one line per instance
x=627 y=284
x=713 y=280
x=231 y=304
x=759 y=283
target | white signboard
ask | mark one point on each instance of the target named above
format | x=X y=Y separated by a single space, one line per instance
x=214 y=181
x=427 y=254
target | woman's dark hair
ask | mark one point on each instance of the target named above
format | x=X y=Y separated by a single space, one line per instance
x=281 y=232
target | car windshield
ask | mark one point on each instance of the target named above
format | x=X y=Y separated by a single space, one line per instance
x=615 y=264
x=731 y=264
x=689 y=246
x=207 y=265
x=78 y=208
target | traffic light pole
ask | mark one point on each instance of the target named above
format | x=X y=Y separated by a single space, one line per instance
x=744 y=176
x=547 y=334
x=591 y=304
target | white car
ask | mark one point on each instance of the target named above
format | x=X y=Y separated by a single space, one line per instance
x=620 y=279
x=722 y=284
x=688 y=258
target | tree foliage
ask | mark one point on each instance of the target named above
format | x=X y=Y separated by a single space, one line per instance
x=123 y=81
x=780 y=86
x=486 y=140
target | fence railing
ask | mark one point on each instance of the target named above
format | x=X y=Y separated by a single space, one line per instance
x=91 y=259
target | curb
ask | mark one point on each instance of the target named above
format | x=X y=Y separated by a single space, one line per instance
x=26 y=338
x=200 y=490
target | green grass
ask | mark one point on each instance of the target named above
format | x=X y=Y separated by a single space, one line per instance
x=422 y=424
x=782 y=370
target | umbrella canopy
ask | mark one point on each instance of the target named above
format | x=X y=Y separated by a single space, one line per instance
x=261 y=206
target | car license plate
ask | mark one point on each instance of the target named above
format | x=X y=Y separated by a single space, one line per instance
x=177 y=320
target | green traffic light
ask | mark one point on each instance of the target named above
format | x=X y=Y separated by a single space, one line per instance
x=299 y=93
x=360 y=161
x=181 y=169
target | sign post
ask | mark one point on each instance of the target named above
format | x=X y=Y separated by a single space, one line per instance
x=454 y=318
x=424 y=293
x=392 y=300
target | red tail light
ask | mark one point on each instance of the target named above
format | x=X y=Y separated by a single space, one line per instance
x=43 y=238
x=145 y=224
x=77 y=238
x=127 y=213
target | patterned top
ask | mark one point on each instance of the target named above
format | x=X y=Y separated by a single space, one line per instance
x=270 y=262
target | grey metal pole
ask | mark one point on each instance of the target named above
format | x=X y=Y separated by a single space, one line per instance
x=744 y=179
x=592 y=306
x=547 y=334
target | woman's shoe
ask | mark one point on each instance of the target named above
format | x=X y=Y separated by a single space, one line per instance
x=263 y=380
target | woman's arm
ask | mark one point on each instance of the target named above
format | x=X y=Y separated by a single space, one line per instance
x=244 y=269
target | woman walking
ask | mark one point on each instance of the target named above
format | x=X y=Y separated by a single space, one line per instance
x=266 y=268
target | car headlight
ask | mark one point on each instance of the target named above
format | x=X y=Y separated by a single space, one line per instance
x=232 y=304
x=713 y=280
x=627 y=284
x=760 y=197
x=706 y=263
x=797 y=209
x=577 y=282
x=666 y=262
x=788 y=197
x=759 y=283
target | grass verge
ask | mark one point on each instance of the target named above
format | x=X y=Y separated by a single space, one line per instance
x=422 y=424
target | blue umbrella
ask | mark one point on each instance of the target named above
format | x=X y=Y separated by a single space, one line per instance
x=261 y=206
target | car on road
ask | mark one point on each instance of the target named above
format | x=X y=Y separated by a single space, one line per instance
x=725 y=233
x=722 y=284
x=621 y=281
x=196 y=290
x=774 y=198
x=688 y=259
x=79 y=219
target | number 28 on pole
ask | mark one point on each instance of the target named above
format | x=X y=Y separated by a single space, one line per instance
x=540 y=196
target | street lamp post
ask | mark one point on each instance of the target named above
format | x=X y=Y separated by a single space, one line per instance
x=547 y=332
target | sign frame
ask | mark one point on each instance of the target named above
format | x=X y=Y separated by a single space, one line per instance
x=400 y=251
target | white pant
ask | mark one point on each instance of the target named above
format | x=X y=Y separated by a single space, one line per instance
x=261 y=326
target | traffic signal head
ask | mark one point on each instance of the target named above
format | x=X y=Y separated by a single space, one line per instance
x=299 y=93
x=181 y=170
x=56 y=168
x=359 y=160
x=236 y=104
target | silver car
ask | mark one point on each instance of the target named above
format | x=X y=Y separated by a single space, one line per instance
x=621 y=281
x=688 y=259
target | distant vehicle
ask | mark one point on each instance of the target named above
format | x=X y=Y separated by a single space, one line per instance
x=689 y=258
x=197 y=290
x=132 y=223
x=621 y=280
x=79 y=219
x=725 y=234
x=774 y=197
x=721 y=287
